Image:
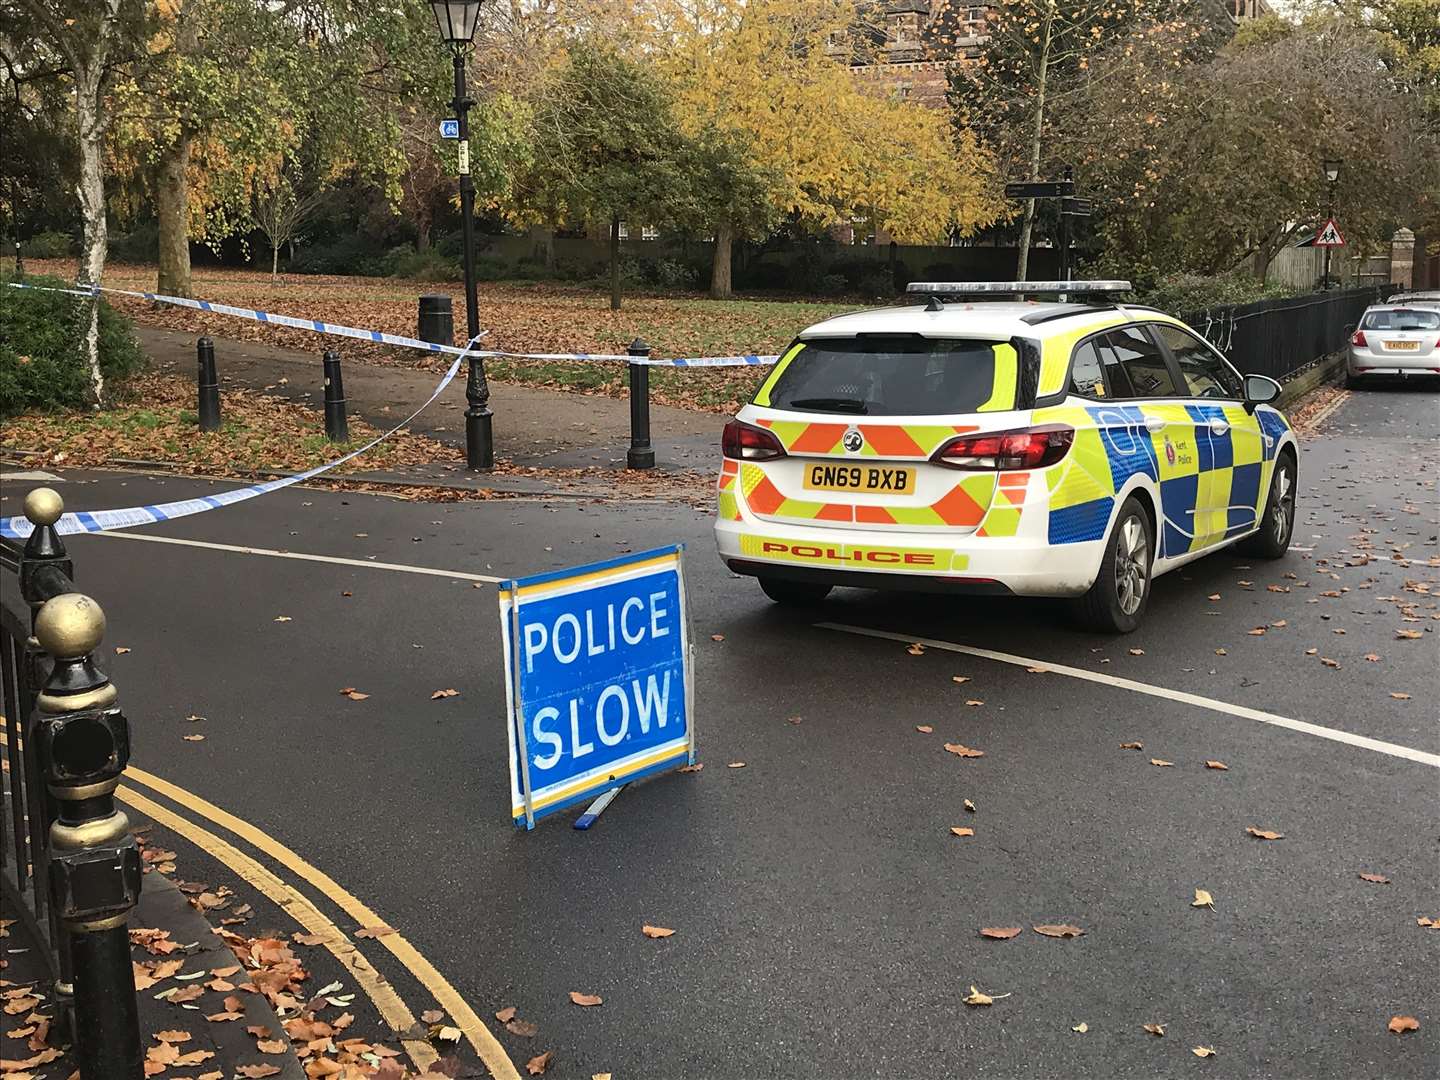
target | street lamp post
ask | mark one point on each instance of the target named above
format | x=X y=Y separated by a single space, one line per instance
x=457 y=20
x=1332 y=174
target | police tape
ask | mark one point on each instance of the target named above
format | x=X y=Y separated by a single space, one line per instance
x=92 y=521
x=271 y=318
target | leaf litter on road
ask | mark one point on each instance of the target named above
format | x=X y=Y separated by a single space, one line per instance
x=961 y=750
x=1375 y=879
x=1400 y=1024
x=1203 y=899
x=1058 y=930
x=586 y=1000
x=1220 y=765
x=656 y=931
x=960 y=830
x=1264 y=834
x=1001 y=933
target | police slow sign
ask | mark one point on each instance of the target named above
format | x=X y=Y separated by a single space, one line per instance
x=598 y=680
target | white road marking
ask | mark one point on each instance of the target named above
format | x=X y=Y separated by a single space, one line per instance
x=1378 y=745
x=336 y=559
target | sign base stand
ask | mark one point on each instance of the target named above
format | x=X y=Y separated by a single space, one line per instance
x=596 y=808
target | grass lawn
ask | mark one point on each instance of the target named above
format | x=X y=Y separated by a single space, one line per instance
x=524 y=317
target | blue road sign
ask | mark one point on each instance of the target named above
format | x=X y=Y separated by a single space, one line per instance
x=598 y=679
x=450 y=129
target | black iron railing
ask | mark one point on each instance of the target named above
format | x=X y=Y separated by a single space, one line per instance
x=68 y=862
x=1279 y=337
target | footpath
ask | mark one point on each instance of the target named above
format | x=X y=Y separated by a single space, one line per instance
x=533 y=427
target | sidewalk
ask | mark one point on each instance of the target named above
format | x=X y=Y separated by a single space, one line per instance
x=532 y=426
x=182 y=948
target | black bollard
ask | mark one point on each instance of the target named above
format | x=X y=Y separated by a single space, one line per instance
x=436 y=323
x=641 y=454
x=208 y=386
x=336 y=429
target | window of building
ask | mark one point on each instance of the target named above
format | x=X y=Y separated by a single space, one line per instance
x=649 y=232
x=904 y=29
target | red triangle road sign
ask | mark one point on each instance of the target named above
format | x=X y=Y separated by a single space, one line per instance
x=1330 y=236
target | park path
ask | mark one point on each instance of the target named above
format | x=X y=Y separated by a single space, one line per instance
x=532 y=426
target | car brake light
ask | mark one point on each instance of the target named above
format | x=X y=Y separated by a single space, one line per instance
x=1358 y=339
x=741 y=440
x=1029 y=448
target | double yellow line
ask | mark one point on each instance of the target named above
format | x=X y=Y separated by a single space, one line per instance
x=392 y=1008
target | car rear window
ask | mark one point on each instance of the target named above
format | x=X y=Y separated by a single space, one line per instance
x=1401 y=319
x=904 y=375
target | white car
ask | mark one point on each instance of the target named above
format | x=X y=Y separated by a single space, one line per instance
x=1395 y=340
x=982 y=445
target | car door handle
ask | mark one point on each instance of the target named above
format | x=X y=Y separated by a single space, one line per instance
x=1154 y=423
x=1219 y=427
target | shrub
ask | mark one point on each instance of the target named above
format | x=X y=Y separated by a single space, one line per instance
x=1185 y=293
x=672 y=274
x=49 y=245
x=427 y=265
x=140 y=245
x=42 y=365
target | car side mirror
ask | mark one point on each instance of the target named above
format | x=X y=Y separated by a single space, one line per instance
x=1260 y=390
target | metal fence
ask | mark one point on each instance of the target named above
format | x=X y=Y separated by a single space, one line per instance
x=1279 y=337
x=69 y=865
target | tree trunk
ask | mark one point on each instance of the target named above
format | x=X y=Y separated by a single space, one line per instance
x=542 y=245
x=615 y=262
x=91 y=191
x=720 y=265
x=422 y=234
x=172 y=211
x=274 y=259
x=1022 y=264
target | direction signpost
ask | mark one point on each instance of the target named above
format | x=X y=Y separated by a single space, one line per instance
x=599 y=682
x=450 y=128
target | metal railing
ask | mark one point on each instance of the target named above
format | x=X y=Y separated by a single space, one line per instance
x=68 y=861
x=1279 y=337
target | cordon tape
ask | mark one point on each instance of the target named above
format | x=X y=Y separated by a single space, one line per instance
x=18 y=528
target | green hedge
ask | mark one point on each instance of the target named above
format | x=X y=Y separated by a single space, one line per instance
x=41 y=348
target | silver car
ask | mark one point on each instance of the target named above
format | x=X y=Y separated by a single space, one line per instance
x=1394 y=340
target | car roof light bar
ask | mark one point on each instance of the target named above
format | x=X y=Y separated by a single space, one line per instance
x=1015 y=288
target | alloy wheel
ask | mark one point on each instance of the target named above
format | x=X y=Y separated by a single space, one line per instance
x=1132 y=565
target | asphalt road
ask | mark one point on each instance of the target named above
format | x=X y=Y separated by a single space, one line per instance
x=826 y=919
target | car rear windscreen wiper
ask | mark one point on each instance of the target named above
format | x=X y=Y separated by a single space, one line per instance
x=839 y=404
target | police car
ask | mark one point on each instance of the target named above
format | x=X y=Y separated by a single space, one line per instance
x=984 y=442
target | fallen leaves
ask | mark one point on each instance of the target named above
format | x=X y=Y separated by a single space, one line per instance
x=916 y=649
x=1132 y=746
x=736 y=765
x=378 y=931
x=1217 y=765
x=121 y=650
x=1203 y=899
x=924 y=729
x=506 y=1014
x=587 y=1001
x=1137 y=652
x=193 y=738
x=960 y=678
x=446 y=693
x=961 y=750
x=717 y=637
x=959 y=830
x=1375 y=879
x=1081 y=1027
x=524 y=1028
x=1329 y=662
x=1059 y=930
x=1400 y=1024
x=352 y=693
x=1162 y=763
x=1264 y=834
x=1203 y=1051
x=1158 y=1030
x=692 y=768
x=1409 y=635
x=975 y=997
x=656 y=931
x=974 y=702
x=283 y=618
x=1399 y=696
x=539 y=1063
x=257 y=1072
x=969 y=805
x=1001 y=933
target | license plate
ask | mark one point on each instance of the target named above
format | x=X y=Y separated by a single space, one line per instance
x=1397 y=346
x=865 y=479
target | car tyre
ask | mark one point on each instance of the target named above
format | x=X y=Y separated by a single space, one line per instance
x=794 y=593
x=1277 y=520
x=1115 y=603
x=1352 y=381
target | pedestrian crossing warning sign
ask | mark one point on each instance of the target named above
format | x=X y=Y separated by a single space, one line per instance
x=1330 y=236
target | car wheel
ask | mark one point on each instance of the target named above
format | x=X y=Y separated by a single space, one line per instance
x=1278 y=520
x=794 y=593
x=1115 y=603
